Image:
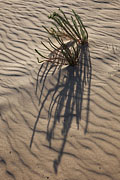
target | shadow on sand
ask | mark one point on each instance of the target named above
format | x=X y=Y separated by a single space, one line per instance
x=66 y=98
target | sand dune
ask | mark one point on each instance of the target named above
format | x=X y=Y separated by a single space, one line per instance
x=70 y=117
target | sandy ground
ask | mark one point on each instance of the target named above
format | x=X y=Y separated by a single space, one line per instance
x=71 y=119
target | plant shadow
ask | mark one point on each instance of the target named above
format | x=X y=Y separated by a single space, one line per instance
x=66 y=93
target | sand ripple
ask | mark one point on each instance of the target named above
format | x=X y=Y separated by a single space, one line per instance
x=70 y=116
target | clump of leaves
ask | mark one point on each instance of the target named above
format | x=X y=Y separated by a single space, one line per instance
x=74 y=30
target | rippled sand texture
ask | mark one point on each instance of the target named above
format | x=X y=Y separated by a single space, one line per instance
x=70 y=116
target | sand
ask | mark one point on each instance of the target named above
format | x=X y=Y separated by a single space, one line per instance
x=70 y=119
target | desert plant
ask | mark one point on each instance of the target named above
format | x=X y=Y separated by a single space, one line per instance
x=74 y=30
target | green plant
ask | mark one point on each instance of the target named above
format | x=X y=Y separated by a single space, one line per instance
x=74 y=30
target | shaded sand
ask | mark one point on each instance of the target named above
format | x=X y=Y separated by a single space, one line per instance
x=69 y=116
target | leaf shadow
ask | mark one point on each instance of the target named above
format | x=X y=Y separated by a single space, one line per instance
x=66 y=94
